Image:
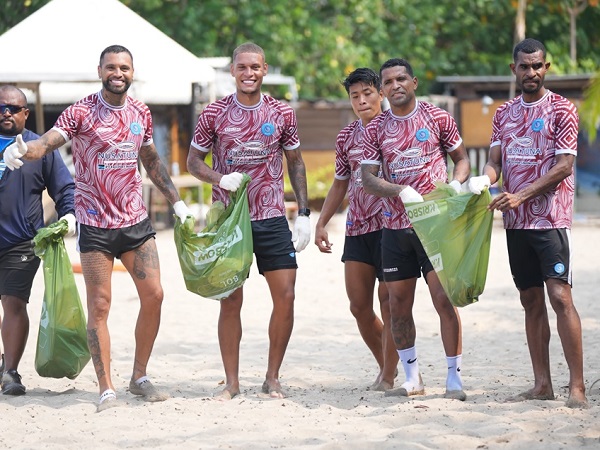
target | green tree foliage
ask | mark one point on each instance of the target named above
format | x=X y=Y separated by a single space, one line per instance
x=13 y=11
x=320 y=41
x=589 y=110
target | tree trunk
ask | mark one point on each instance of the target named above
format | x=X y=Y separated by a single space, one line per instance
x=520 y=27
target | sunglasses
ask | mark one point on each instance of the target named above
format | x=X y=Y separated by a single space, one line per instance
x=13 y=109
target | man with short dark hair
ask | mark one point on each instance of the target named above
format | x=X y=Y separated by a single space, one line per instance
x=21 y=215
x=251 y=132
x=410 y=144
x=110 y=131
x=362 y=244
x=533 y=147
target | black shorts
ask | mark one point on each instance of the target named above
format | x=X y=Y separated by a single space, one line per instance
x=536 y=255
x=403 y=256
x=365 y=248
x=114 y=241
x=18 y=266
x=273 y=246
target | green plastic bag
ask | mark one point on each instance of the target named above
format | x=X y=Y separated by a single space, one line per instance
x=216 y=261
x=455 y=230
x=62 y=349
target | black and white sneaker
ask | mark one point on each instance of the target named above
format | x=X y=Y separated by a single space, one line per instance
x=11 y=383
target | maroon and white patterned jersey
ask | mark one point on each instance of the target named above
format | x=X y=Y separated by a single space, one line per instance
x=364 y=210
x=249 y=140
x=530 y=135
x=412 y=151
x=106 y=141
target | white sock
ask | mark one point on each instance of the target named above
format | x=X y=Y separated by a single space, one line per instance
x=454 y=381
x=410 y=364
x=141 y=380
x=109 y=393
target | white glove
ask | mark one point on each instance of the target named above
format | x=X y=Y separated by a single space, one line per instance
x=71 y=222
x=182 y=211
x=301 y=234
x=478 y=184
x=409 y=195
x=231 y=182
x=14 y=152
x=456 y=186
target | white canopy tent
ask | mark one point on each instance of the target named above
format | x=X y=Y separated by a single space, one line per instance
x=55 y=53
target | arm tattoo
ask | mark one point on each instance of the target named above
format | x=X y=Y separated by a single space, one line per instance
x=297 y=173
x=375 y=185
x=45 y=144
x=157 y=172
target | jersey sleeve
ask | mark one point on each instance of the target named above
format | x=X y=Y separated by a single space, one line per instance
x=496 y=128
x=204 y=134
x=371 y=153
x=68 y=122
x=289 y=138
x=149 y=128
x=450 y=137
x=342 y=164
x=567 y=128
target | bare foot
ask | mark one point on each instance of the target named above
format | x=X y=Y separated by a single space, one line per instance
x=577 y=404
x=531 y=395
x=273 y=388
x=577 y=399
x=227 y=394
x=381 y=386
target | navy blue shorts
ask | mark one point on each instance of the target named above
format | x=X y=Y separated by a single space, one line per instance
x=18 y=266
x=403 y=256
x=273 y=246
x=114 y=241
x=536 y=255
x=365 y=248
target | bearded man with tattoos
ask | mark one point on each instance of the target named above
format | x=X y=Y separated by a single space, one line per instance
x=109 y=131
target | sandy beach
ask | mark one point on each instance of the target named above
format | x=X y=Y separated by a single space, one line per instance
x=325 y=374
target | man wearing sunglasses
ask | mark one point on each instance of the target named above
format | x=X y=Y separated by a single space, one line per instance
x=21 y=215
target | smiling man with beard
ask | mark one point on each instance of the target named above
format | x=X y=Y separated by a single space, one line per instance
x=109 y=131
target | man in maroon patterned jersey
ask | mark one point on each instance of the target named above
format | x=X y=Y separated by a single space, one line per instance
x=534 y=145
x=362 y=245
x=410 y=143
x=109 y=131
x=251 y=132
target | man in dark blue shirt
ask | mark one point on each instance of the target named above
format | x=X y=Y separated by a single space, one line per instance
x=21 y=215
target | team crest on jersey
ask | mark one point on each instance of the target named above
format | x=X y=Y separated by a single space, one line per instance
x=267 y=129
x=135 y=128
x=422 y=135
x=537 y=125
